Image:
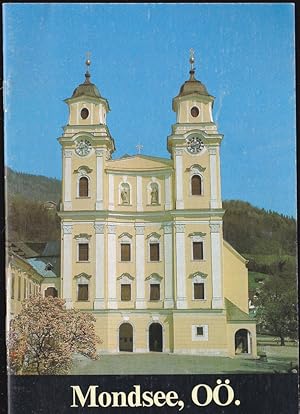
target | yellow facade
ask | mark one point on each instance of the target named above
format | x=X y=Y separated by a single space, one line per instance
x=142 y=244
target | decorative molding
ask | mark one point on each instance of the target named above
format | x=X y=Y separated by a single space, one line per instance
x=195 y=168
x=68 y=153
x=153 y=235
x=111 y=229
x=198 y=274
x=124 y=276
x=82 y=275
x=139 y=229
x=212 y=150
x=180 y=228
x=178 y=151
x=125 y=235
x=215 y=228
x=83 y=169
x=67 y=228
x=168 y=228
x=197 y=234
x=99 y=228
x=154 y=277
x=82 y=236
x=100 y=152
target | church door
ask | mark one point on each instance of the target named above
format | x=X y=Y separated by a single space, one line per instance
x=126 y=337
x=155 y=338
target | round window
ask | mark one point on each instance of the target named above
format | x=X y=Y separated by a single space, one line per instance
x=195 y=111
x=84 y=113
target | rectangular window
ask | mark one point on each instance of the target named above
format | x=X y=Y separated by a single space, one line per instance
x=154 y=252
x=200 y=331
x=83 y=292
x=12 y=286
x=83 y=252
x=19 y=288
x=197 y=250
x=198 y=290
x=126 y=292
x=154 y=292
x=125 y=252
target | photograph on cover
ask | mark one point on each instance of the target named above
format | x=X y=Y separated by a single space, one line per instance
x=150 y=189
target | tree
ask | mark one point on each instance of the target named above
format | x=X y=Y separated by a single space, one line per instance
x=44 y=336
x=277 y=305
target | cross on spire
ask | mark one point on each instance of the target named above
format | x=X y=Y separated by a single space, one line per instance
x=192 y=58
x=139 y=147
x=88 y=60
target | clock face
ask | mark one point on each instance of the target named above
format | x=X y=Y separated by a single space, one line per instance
x=83 y=147
x=194 y=145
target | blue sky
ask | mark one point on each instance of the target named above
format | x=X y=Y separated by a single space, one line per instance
x=244 y=56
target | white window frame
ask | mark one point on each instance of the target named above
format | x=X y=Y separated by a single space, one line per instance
x=198 y=237
x=125 y=238
x=199 y=277
x=82 y=279
x=83 y=238
x=83 y=172
x=154 y=238
x=154 y=279
x=126 y=279
x=197 y=170
x=203 y=337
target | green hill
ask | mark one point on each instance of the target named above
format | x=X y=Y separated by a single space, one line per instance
x=261 y=236
x=32 y=187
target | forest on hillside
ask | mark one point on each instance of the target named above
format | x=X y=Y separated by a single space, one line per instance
x=250 y=230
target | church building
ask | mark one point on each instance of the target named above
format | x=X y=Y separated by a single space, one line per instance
x=142 y=245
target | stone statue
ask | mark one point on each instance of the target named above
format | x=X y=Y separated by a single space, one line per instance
x=154 y=194
x=125 y=194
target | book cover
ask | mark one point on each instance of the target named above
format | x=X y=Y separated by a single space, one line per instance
x=151 y=203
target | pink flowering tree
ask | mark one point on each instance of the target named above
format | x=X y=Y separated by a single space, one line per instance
x=44 y=336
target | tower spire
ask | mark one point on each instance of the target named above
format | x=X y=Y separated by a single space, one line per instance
x=88 y=63
x=192 y=61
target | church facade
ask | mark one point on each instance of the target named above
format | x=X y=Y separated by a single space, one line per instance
x=142 y=246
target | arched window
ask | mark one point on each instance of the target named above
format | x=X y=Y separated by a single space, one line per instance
x=83 y=187
x=196 y=185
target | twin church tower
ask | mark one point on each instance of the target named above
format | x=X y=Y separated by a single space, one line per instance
x=142 y=245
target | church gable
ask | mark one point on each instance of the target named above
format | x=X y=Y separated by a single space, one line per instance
x=137 y=163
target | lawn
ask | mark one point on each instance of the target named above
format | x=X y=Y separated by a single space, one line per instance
x=279 y=359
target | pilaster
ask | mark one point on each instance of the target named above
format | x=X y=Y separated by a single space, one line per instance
x=180 y=267
x=99 y=302
x=216 y=265
x=111 y=271
x=140 y=266
x=67 y=179
x=67 y=264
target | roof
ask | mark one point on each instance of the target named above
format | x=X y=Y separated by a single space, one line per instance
x=235 y=314
x=40 y=265
x=192 y=86
x=52 y=248
x=233 y=251
x=86 y=89
x=22 y=249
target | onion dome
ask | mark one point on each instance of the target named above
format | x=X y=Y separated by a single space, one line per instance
x=192 y=86
x=87 y=88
